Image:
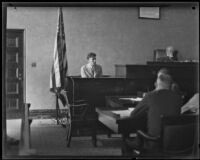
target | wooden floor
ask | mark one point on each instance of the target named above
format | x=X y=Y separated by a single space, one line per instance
x=48 y=138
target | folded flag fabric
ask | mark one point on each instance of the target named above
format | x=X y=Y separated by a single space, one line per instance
x=60 y=65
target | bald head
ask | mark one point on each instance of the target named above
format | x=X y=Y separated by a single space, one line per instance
x=170 y=51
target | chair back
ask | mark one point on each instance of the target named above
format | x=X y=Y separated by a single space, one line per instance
x=178 y=133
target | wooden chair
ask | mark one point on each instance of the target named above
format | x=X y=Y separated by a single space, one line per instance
x=178 y=137
x=82 y=113
x=82 y=118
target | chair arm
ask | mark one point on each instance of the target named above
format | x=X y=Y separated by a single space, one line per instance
x=80 y=101
x=146 y=136
x=78 y=105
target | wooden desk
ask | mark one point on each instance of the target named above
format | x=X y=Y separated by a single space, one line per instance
x=110 y=117
x=185 y=74
x=118 y=121
x=94 y=91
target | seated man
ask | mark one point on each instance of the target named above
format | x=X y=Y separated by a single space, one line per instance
x=91 y=69
x=192 y=105
x=174 y=86
x=170 y=53
x=161 y=101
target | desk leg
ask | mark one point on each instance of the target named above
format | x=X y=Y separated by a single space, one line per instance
x=94 y=138
x=123 y=144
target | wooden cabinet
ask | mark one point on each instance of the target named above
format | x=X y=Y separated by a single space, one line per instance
x=134 y=71
x=184 y=73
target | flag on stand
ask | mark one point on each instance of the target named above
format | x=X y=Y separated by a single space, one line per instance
x=59 y=72
x=60 y=65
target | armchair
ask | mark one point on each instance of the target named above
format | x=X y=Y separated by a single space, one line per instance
x=177 y=138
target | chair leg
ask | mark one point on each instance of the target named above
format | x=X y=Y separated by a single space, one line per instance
x=109 y=135
x=69 y=140
x=69 y=135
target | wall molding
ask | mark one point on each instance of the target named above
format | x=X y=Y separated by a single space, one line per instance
x=36 y=114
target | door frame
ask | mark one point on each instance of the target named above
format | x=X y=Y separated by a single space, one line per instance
x=4 y=128
x=23 y=31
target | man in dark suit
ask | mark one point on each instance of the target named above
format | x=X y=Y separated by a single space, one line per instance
x=161 y=101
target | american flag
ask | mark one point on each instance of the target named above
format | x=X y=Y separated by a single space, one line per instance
x=60 y=65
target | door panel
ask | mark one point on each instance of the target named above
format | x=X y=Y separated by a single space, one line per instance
x=14 y=72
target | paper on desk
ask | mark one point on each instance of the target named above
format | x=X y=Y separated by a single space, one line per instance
x=132 y=99
x=124 y=113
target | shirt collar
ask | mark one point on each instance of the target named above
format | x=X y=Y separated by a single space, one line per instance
x=90 y=66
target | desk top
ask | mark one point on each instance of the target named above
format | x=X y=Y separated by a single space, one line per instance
x=116 y=114
x=117 y=121
x=123 y=113
x=122 y=101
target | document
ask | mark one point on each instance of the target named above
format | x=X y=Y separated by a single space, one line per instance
x=132 y=99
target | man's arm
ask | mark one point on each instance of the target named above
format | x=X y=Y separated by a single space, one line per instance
x=141 y=109
x=101 y=72
x=98 y=71
x=137 y=119
x=83 y=75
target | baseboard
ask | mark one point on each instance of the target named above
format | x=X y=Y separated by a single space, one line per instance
x=35 y=114
x=43 y=113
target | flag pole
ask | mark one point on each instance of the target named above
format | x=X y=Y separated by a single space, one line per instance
x=57 y=108
x=59 y=68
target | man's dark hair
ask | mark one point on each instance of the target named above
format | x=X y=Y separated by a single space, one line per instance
x=91 y=54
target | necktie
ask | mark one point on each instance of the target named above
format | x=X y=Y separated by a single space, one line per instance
x=92 y=71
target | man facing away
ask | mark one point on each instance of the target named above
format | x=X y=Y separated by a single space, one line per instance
x=91 y=69
x=161 y=101
x=174 y=86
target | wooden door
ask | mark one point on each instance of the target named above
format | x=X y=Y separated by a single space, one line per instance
x=14 y=72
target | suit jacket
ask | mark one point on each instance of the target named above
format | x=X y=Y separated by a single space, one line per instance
x=91 y=72
x=155 y=104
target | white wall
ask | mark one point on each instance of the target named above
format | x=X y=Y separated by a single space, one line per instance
x=116 y=34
